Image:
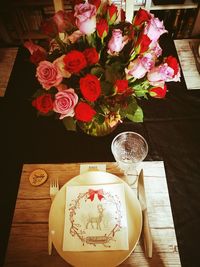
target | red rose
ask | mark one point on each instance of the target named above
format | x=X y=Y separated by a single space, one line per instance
x=48 y=27
x=141 y=16
x=74 y=61
x=96 y=3
x=37 y=56
x=112 y=13
x=158 y=92
x=90 y=87
x=43 y=103
x=123 y=15
x=121 y=86
x=172 y=63
x=143 y=43
x=84 y=112
x=102 y=28
x=91 y=55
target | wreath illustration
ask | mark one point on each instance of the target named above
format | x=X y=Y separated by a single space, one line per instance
x=95 y=221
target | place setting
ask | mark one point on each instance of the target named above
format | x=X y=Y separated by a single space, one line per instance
x=96 y=216
x=87 y=214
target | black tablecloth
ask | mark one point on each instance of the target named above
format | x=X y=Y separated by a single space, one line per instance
x=171 y=128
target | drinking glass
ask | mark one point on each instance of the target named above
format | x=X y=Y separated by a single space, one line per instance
x=129 y=150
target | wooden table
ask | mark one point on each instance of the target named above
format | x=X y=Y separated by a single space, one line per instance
x=187 y=61
x=28 y=238
x=7 y=59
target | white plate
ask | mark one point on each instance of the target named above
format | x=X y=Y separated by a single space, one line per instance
x=100 y=258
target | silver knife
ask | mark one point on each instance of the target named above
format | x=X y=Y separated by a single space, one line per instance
x=49 y=243
x=147 y=237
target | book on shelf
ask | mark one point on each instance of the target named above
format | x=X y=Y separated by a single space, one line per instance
x=50 y=9
x=178 y=22
x=186 y=24
x=168 y=2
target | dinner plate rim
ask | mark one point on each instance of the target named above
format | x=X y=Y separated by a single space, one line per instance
x=128 y=192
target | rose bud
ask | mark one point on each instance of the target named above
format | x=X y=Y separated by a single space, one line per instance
x=112 y=14
x=158 y=92
x=102 y=28
x=141 y=16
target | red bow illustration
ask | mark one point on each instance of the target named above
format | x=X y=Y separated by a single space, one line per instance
x=92 y=193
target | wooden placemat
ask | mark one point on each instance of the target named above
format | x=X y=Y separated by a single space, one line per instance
x=28 y=241
x=7 y=59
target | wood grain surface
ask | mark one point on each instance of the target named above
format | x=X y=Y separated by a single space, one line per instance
x=29 y=233
x=187 y=61
x=7 y=59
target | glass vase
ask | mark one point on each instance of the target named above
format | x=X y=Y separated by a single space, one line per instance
x=95 y=129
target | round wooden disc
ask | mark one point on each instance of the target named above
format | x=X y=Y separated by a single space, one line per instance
x=38 y=177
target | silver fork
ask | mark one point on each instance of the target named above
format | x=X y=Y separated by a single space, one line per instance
x=54 y=188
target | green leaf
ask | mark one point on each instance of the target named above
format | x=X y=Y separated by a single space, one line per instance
x=137 y=116
x=113 y=72
x=141 y=93
x=133 y=112
x=97 y=71
x=107 y=88
x=100 y=119
x=39 y=92
x=69 y=123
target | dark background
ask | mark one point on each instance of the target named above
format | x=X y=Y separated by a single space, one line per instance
x=171 y=128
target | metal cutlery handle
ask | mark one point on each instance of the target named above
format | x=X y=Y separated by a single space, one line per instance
x=54 y=188
x=49 y=243
x=147 y=237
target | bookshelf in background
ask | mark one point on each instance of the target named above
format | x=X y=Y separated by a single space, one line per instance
x=20 y=20
x=178 y=22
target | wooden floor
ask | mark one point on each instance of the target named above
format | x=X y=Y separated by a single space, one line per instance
x=7 y=59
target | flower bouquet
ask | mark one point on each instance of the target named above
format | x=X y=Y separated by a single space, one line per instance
x=96 y=65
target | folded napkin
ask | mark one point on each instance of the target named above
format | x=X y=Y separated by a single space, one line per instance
x=95 y=218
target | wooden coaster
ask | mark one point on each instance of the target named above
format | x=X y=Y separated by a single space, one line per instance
x=38 y=177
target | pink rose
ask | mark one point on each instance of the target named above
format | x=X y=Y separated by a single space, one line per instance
x=135 y=69
x=59 y=63
x=155 y=48
x=85 y=15
x=48 y=74
x=159 y=74
x=154 y=29
x=117 y=42
x=63 y=20
x=139 y=67
x=65 y=102
x=75 y=36
x=148 y=61
x=61 y=87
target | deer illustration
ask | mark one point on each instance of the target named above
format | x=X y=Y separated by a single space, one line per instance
x=97 y=219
